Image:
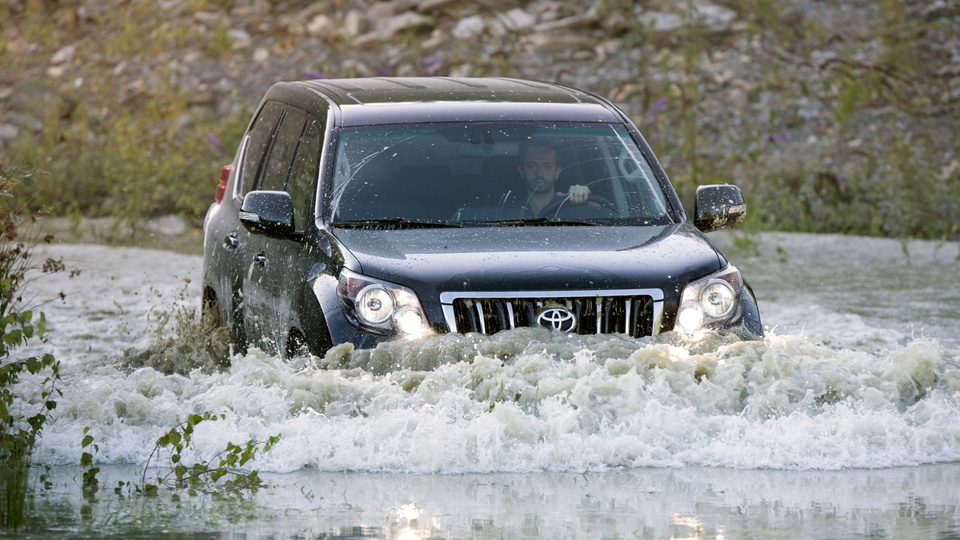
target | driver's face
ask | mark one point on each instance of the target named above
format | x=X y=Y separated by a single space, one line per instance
x=539 y=170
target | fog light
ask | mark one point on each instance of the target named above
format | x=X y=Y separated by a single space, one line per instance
x=690 y=317
x=409 y=321
x=375 y=304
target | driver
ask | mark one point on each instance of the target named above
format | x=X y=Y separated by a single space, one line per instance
x=539 y=170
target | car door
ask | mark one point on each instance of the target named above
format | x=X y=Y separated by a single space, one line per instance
x=230 y=237
x=275 y=276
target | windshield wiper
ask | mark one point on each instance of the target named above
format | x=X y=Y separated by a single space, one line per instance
x=396 y=223
x=536 y=221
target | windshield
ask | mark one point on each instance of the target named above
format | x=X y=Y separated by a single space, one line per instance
x=507 y=173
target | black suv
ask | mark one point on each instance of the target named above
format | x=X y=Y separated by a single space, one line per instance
x=365 y=210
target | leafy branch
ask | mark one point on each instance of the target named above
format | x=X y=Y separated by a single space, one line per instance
x=223 y=474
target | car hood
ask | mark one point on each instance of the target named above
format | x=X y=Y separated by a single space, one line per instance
x=532 y=258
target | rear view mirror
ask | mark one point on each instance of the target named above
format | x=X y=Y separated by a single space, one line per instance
x=268 y=212
x=718 y=207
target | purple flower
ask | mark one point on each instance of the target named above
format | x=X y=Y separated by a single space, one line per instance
x=657 y=106
x=777 y=137
x=317 y=75
x=216 y=144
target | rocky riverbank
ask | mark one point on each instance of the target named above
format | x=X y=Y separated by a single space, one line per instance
x=716 y=85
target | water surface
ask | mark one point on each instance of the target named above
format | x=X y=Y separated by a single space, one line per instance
x=842 y=422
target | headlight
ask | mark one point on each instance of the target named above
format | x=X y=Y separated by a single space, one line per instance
x=717 y=298
x=380 y=306
x=711 y=301
x=374 y=304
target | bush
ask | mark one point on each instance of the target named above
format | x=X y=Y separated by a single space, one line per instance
x=21 y=421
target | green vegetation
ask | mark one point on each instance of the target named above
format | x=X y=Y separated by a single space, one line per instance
x=127 y=151
x=22 y=418
x=204 y=475
x=133 y=162
x=222 y=475
x=853 y=175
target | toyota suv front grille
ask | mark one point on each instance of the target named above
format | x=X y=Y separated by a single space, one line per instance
x=633 y=312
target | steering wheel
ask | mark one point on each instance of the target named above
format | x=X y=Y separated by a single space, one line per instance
x=555 y=207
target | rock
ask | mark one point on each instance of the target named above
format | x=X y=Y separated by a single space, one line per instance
x=658 y=22
x=469 y=27
x=261 y=54
x=321 y=26
x=32 y=103
x=939 y=9
x=431 y=6
x=208 y=18
x=517 y=20
x=582 y=20
x=91 y=10
x=714 y=18
x=379 y=12
x=8 y=132
x=387 y=29
x=63 y=55
x=240 y=39
x=354 y=24
x=404 y=21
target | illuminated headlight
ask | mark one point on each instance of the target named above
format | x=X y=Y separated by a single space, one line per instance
x=711 y=301
x=380 y=306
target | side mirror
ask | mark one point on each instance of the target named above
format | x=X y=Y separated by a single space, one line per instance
x=718 y=207
x=268 y=212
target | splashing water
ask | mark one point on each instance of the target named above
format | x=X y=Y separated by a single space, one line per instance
x=521 y=401
x=812 y=432
x=530 y=401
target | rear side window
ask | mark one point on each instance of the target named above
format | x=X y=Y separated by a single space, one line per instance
x=257 y=143
x=277 y=168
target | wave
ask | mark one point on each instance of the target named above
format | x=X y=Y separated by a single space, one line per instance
x=530 y=400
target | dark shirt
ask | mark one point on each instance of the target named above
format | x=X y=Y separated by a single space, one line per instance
x=518 y=202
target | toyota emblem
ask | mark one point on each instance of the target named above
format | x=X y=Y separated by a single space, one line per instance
x=557 y=319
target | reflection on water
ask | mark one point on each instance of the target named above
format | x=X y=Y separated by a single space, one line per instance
x=841 y=423
x=692 y=502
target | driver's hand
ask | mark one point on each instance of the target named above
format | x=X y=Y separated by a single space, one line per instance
x=578 y=194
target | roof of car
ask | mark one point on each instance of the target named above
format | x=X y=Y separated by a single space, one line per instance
x=385 y=100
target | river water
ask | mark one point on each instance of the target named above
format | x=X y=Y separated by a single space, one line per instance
x=843 y=423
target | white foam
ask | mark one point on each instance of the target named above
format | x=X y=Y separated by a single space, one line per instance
x=825 y=390
x=785 y=403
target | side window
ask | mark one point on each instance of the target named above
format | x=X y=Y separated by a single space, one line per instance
x=274 y=175
x=258 y=140
x=302 y=184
